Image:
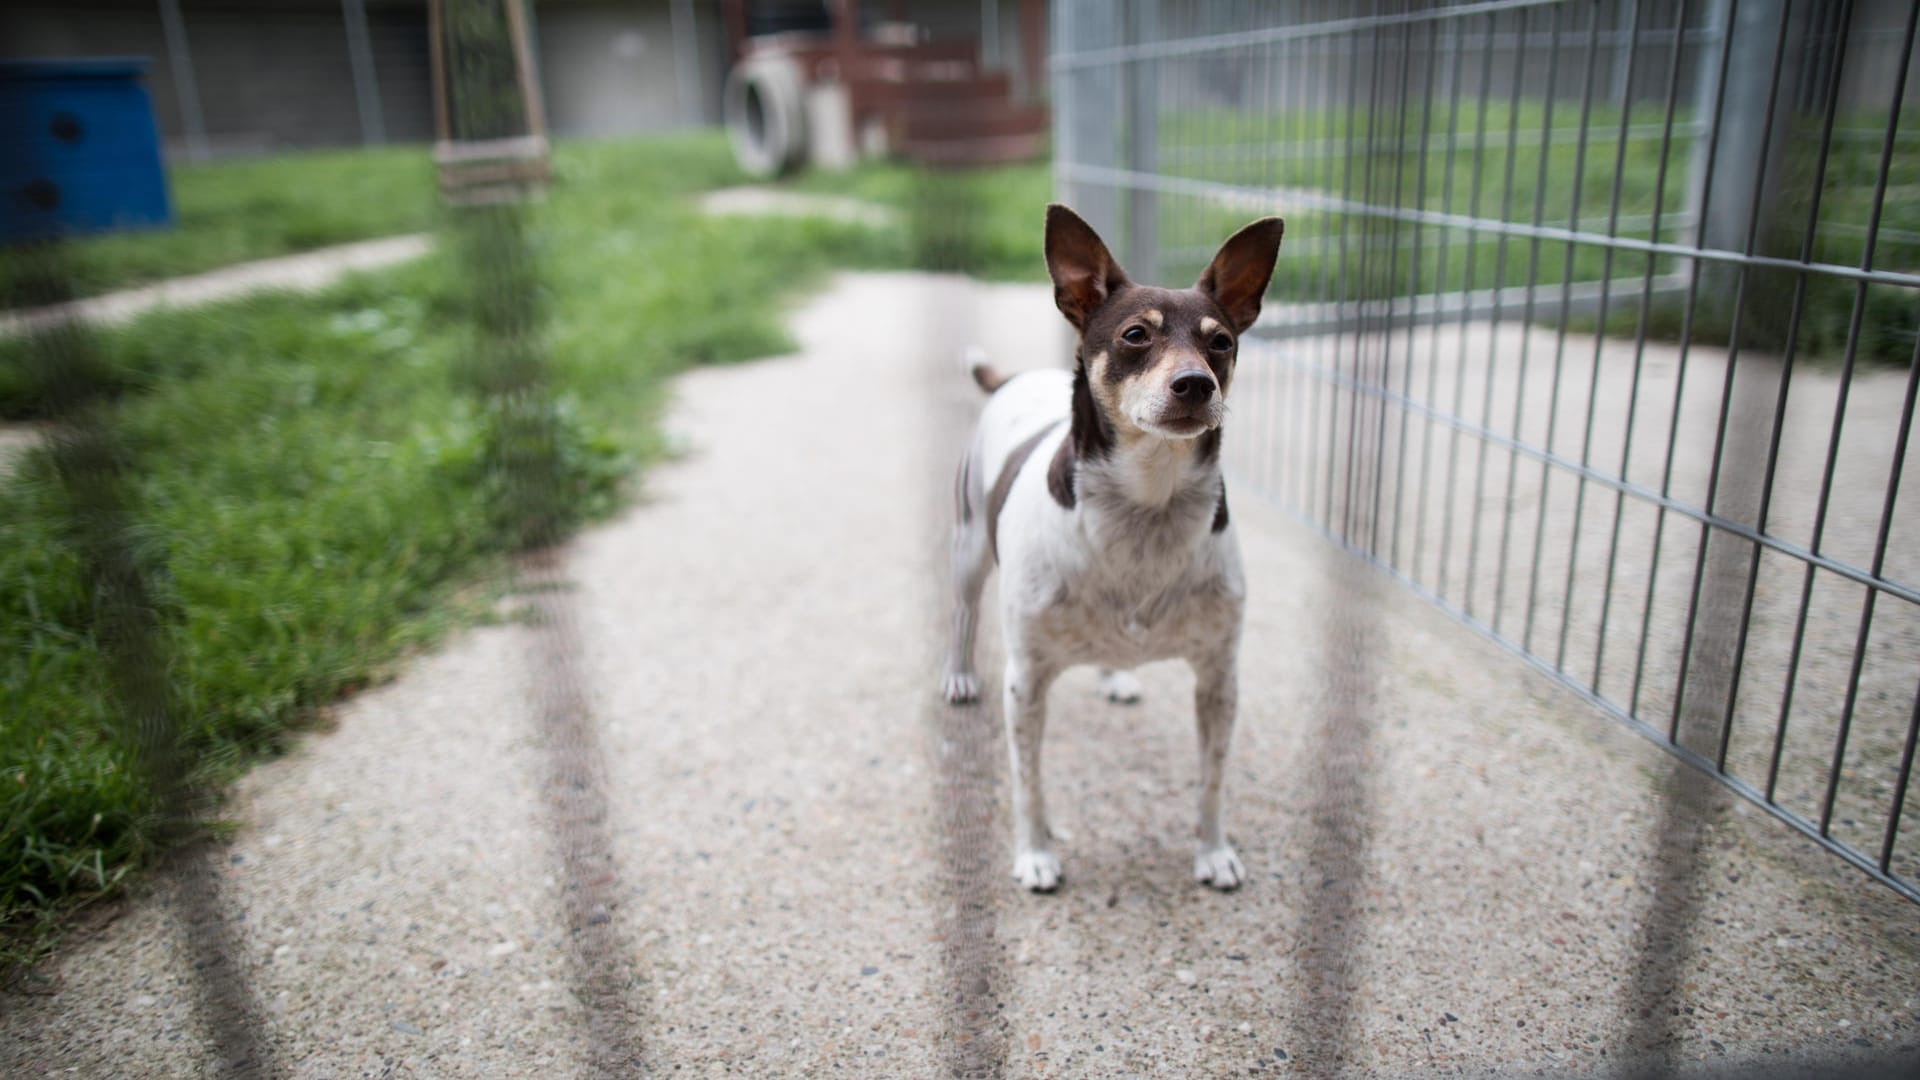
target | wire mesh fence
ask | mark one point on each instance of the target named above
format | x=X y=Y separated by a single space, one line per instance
x=1596 y=327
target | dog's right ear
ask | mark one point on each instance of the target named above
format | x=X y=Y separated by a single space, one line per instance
x=1083 y=270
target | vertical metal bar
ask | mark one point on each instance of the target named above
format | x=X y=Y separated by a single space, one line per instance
x=1322 y=121
x=185 y=87
x=1355 y=480
x=1741 y=277
x=1560 y=341
x=1450 y=37
x=1301 y=384
x=1271 y=475
x=1708 y=96
x=1143 y=146
x=1065 y=113
x=366 y=86
x=1347 y=150
x=1788 y=354
x=1622 y=88
x=1599 y=351
x=1413 y=295
x=1640 y=348
x=1866 y=609
x=1527 y=314
x=1705 y=174
x=1466 y=309
x=1900 y=780
x=1402 y=58
x=1526 y=320
x=1493 y=322
x=1900 y=451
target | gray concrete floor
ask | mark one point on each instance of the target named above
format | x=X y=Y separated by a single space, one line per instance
x=809 y=860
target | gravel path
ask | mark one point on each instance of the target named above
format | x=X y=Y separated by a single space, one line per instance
x=304 y=272
x=808 y=859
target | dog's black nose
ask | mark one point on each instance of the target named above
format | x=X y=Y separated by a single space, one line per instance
x=1192 y=387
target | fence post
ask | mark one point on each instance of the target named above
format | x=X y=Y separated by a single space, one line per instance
x=1750 y=177
x=1143 y=146
x=1088 y=117
x=180 y=58
x=366 y=86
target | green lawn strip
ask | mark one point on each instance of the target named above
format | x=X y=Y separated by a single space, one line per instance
x=310 y=471
x=234 y=211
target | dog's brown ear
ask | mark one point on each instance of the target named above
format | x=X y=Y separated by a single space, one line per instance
x=1238 y=275
x=1083 y=271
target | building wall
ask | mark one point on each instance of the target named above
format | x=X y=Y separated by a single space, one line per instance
x=610 y=67
x=275 y=74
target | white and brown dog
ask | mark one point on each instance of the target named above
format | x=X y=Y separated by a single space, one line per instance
x=1100 y=495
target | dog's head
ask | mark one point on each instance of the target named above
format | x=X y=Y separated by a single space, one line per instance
x=1158 y=361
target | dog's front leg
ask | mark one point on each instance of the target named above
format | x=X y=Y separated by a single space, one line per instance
x=1035 y=865
x=1216 y=696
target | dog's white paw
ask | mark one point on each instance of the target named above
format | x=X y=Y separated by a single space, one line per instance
x=960 y=687
x=1120 y=687
x=1037 y=871
x=1219 y=868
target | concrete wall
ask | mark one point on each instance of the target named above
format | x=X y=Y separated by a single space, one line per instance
x=275 y=74
x=611 y=67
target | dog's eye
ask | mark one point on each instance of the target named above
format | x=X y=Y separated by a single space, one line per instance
x=1221 y=343
x=1134 y=336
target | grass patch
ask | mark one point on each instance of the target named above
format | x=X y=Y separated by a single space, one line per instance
x=310 y=476
x=233 y=211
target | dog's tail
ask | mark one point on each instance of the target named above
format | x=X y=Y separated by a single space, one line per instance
x=985 y=375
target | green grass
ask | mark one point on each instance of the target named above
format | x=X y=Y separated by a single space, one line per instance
x=311 y=476
x=233 y=211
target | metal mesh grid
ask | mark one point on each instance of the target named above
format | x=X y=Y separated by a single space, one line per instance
x=1595 y=327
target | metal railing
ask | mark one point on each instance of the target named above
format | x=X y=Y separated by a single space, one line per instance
x=1595 y=327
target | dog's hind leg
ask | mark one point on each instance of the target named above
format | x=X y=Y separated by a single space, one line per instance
x=1035 y=866
x=1119 y=686
x=1215 y=699
x=972 y=561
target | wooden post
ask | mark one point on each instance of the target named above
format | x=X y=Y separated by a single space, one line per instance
x=437 y=55
x=507 y=167
x=529 y=70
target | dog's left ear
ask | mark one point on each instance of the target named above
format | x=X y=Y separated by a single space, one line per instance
x=1083 y=270
x=1237 y=277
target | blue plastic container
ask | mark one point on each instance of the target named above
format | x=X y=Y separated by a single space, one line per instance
x=79 y=149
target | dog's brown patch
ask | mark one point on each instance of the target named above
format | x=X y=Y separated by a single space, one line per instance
x=1060 y=475
x=1003 y=485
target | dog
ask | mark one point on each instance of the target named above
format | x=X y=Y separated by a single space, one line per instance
x=1100 y=496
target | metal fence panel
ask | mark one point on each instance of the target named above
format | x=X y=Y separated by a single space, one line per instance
x=1595 y=326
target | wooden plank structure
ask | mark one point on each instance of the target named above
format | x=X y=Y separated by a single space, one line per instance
x=486 y=154
x=933 y=100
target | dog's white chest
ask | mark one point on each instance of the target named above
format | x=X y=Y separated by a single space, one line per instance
x=1102 y=617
